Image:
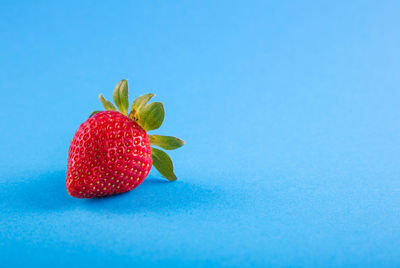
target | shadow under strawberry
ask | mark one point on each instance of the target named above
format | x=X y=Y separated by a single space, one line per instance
x=157 y=195
x=45 y=193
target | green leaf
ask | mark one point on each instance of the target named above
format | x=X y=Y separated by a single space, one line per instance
x=93 y=113
x=107 y=105
x=141 y=101
x=120 y=96
x=166 y=142
x=163 y=163
x=152 y=116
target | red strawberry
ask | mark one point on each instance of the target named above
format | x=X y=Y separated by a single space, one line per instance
x=110 y=152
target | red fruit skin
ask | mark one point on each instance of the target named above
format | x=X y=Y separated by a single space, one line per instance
x=109 y=154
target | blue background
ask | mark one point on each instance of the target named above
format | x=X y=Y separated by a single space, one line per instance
x=290 y=111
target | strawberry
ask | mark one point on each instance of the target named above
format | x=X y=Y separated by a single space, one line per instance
x=111 y=152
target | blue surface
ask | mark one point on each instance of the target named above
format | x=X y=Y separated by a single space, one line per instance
x=290 y=111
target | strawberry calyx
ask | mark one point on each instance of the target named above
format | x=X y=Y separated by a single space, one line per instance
x=150 y=117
